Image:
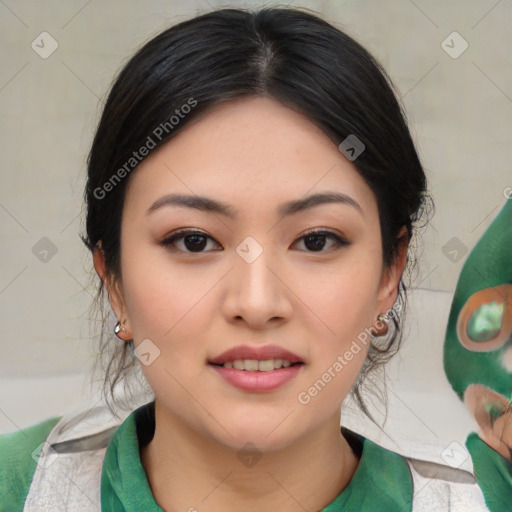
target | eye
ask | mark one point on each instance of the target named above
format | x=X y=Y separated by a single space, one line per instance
x=193 y=240
x=315 y=240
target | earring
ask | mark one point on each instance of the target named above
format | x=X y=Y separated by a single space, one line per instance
x=118 y=329
x=382 y=329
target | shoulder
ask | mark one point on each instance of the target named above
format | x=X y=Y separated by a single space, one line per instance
x=383 y=471
x=19 y=452
x=402 y=482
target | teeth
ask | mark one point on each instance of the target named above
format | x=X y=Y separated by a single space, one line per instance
x=253 y=365
x=238 y=364
x=266 y=366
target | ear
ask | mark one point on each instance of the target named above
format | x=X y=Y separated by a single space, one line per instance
x=390 y=279
x=113 y=287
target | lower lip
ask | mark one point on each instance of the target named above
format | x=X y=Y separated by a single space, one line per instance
x=257 y=381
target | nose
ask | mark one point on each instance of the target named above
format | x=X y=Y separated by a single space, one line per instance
x=257 y=292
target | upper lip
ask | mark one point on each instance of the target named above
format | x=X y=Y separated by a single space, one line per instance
x=259 y=353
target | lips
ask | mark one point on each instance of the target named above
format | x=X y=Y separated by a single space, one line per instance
x=257 y=369
x=243 y=352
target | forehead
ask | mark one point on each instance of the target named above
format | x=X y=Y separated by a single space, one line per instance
x=247 y=152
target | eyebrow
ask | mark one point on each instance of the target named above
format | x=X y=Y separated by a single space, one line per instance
x=288 y=208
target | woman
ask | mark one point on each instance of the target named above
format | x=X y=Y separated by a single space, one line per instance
x=252 y=192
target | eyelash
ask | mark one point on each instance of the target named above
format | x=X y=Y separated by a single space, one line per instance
x=170 y=240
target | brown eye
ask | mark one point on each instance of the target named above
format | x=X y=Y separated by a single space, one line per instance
x=315 y=241
x=193 y=241
x=485 y=321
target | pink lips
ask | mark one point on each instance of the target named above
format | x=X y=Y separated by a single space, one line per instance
x=259 y=353
x=257 y=381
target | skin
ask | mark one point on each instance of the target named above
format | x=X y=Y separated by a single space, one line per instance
x=253 y=154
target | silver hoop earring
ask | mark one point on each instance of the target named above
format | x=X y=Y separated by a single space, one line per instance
x=381 y=330
x=384 y=317
x=118 y=329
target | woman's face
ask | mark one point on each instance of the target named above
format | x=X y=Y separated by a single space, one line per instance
x=249 y=278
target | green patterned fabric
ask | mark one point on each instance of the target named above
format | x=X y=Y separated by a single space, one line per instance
x=489 y=264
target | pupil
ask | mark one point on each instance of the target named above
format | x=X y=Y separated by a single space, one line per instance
x=196 y=244
x=486 y=321
x=316 y=246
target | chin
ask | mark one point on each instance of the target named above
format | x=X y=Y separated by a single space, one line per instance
x=259 y=432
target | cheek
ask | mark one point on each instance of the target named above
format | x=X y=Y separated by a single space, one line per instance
x=343 y=298
x=172 y=308
x=344 y=309
x=164 y=302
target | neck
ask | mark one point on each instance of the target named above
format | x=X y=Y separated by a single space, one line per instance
x=188 y=471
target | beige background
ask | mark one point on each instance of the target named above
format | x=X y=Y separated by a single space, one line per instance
x=459 y=108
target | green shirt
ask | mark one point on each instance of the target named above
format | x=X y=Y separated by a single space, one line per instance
x=124 y=484
x=382 y=480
